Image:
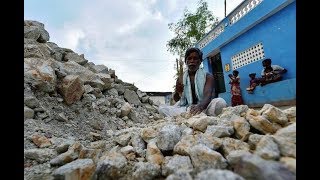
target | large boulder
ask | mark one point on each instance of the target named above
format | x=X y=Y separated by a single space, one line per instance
x=35 y=30
x=71 y=88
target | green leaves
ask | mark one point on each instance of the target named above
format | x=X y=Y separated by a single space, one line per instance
x=191 y=28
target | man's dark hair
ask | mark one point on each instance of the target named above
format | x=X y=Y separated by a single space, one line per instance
x=191 y=50
x=268 y=60
x=235 y=71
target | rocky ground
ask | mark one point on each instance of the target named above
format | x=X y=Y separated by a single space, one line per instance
x=82 y=122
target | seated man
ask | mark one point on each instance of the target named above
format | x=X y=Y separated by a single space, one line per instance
x=198 y=90
x=271 y=73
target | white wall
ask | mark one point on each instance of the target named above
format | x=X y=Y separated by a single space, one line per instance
x=160 y=99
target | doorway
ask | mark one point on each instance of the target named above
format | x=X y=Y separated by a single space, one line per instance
x=217 y=72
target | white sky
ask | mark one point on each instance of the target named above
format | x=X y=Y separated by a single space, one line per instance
x=128 y=36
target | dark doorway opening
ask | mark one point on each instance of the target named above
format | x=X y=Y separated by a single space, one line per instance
x=217 y=72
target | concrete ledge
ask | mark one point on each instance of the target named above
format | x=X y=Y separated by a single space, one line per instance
x=277 y=104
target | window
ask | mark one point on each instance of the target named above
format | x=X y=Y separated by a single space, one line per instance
x=248 y=56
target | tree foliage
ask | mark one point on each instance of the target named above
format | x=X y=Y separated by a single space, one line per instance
x=191 y=28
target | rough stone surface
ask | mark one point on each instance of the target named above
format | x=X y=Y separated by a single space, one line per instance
x=71 y=89
x=218 y=174
x=78 y=124
x=175 y=163
x=78 y=169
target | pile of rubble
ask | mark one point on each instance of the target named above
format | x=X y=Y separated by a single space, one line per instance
x=82 y=122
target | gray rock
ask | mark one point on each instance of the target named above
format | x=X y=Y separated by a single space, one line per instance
x=88 y=89
x=69 y=156
x=96 y=82
x=217 y=174
x=58 y=53
x=138 y=144
x=126 y=150
x=230 y=111
x=286 y=140
x=133 y=116
x=168 y=137
x=99 y=69
x=75 y=57
x=123 y=139
x=87 y=153
x=180 y=175
x=141 y=94
x=184 y=146
x=290 y=163
x=32 y=51
x=145 y=170
x=230 y=144
x=291 y=113
x=40 y=74
x=97 y=92
x=33 y=23
x=174 y=163
x=61 y=117
x=274 y=114
x=288 y=132
x=61 y=144
x=186 y=131
x=111 y=166
x=253 y=140
x=71 y=88
x=148 y=133
x=125 y=109
x=60 y=74
x=287 y=147
x=113 y=92
x=37 y=50
x=78 y=169
x=120 y=88
x=73 y=68
x=112 y=73
x=40 y=155
x=235 y=156
x=106 y=79
x=219 y=131
x=131 y=97
x=261 y=123
x=267 y=148
x=145 y=99
x=28 y=113
x=254 y=167
x=242 y=128
x=35 y=30
x=204 y=158
x=153 y=154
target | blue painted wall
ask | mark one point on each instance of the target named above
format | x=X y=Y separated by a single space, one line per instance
x=279 y=91
x=278 y=36
x=206 y=66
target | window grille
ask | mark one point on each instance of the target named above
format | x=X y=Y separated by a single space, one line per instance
x=248 y=56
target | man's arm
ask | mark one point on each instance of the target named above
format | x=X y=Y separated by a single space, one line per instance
x=279 y=69
x=207 y=95
x=262 y=73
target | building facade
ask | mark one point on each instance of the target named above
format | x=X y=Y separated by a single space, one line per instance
x=160 y=97
x=253 y=31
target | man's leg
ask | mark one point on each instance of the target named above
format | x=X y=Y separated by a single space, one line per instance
x=170 y=111
x=215 y=107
